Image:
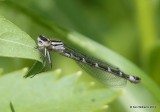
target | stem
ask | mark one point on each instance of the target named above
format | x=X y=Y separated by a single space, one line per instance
x=145 y=19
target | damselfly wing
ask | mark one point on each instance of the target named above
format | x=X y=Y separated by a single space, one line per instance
x=96 y=68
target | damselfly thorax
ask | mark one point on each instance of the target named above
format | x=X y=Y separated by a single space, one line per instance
x=106 y=73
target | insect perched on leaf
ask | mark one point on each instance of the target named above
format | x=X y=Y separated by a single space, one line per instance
x=104 y=72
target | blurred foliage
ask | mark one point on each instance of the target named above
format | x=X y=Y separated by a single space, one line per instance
x=130 y=28
x=47 y=90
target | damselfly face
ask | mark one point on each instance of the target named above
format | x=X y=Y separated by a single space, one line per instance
x=43 y=42
x=43 y=46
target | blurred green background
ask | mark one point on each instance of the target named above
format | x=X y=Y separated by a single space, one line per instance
x=129 y=28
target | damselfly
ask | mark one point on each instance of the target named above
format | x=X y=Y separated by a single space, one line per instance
x=106 y=73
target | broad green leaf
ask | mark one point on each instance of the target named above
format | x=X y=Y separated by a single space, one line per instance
x=48 y=93
x=16 y=43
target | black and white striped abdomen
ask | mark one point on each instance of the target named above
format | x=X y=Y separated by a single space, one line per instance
x=98 y=64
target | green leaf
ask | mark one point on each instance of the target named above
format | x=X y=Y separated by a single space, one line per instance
x=16 y=43
x=36 y=68
x=48 y=93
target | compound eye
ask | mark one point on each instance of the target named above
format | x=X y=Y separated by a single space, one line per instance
x=40 y=43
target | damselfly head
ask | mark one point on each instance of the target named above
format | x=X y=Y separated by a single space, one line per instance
x=43 y=42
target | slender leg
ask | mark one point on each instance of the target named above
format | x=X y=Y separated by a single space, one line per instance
x=45 y=52
x=49 y=59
